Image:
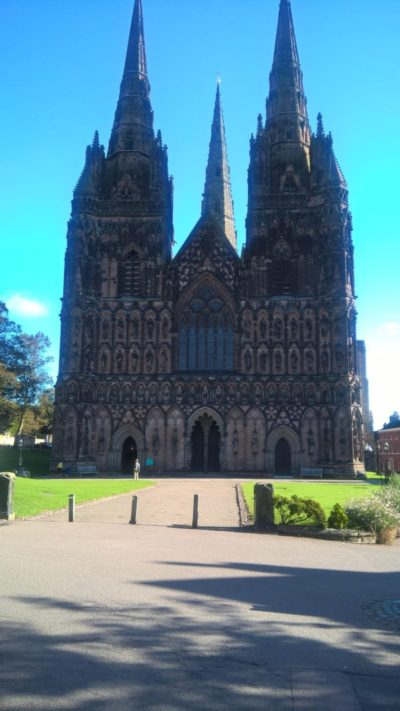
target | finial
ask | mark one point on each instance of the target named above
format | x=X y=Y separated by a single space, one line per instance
x=96 y=140
x=219 y=80
x=259 y=124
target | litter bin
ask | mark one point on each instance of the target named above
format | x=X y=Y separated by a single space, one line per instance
x=7 y=480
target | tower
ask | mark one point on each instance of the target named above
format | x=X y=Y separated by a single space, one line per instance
x=299 y=252
x=119 y=240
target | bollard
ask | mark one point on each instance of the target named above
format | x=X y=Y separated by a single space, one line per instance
x=71 y=509
x=134 y=510
x=195 y=522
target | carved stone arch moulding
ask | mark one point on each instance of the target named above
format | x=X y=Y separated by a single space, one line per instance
x=197 y=415
x=119 y=438
x=189 y=292
x=293 y=440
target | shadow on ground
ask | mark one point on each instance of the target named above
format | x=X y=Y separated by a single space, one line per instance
x=252 y=638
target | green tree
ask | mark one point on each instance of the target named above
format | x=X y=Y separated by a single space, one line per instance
x=24 y=378
x=33 y=377
x=10 y=361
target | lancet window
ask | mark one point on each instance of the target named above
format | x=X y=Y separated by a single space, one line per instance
x=206 y=340
x=129 y=275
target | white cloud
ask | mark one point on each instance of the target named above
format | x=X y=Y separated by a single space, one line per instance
x=26 y=307
x=383 y=369
x=390 y=329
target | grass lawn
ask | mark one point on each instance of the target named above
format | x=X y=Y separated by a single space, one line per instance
x=33 y=497
x=326 y=494
x=37 y=461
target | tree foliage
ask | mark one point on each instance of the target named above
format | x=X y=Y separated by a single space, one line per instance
x=24 y=379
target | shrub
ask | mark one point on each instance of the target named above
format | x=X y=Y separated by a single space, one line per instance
x=297 y=511
x=390 y=495
x=372 y=514
x=338 y=517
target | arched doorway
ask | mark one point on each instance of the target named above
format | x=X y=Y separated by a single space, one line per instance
x=197 y=448
x=214 y=448
x=206 y=445
x=128 y=456
x=283 y=457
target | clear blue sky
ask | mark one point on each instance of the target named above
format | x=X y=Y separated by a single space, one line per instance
x=60 y=69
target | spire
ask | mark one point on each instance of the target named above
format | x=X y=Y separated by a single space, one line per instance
x=136 y=54
x=286 y=45
x=217 y=198
x=287 y=104
x=133 y=123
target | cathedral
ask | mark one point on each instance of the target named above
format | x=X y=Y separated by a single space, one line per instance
x=210 y=360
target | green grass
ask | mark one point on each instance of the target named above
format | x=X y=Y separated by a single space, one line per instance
x=33 y=497
x=37 y=461
x=326 y=494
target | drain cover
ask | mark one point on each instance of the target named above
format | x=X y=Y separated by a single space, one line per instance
x=385 y=611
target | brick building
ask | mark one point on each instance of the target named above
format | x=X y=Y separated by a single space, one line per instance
x=208 y=360
x=388 y=445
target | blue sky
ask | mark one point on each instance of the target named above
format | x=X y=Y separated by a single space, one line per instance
x=60 y=69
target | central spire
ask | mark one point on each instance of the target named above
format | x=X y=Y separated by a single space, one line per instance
x=136 y=54
x=217 y=198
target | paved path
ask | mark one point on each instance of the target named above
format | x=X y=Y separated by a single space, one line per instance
x=169 y=503
x=106 y=616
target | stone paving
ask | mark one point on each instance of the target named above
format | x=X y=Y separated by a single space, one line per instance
x=103 y=616
x=169 y=503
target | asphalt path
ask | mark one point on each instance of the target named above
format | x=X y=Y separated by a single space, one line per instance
x=102 y=615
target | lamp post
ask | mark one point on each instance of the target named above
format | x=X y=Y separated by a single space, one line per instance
x=386 y=448
x=20 y=463
x=378 y=460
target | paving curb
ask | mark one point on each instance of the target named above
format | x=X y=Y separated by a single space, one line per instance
x=244 y=518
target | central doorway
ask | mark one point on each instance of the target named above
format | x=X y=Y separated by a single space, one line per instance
x=128 y=456
x=283 y=457
x=206 y=446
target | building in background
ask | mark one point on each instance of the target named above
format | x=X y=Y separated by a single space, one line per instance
x=208 y=360
x=388 y=446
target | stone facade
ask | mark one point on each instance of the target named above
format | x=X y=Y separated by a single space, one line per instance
x=209 y=361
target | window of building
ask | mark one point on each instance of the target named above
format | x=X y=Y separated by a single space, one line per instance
x=281 y=277
x=129 y=276
x=206 y=334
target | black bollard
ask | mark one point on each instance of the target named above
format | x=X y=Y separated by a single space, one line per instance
x=195 y=522
x=134 y=510
x=71 y=509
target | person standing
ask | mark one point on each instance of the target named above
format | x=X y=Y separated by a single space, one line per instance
x=60 y=470
x=136 y=469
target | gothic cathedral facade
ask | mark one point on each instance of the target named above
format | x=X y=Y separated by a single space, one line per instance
x=209 y=361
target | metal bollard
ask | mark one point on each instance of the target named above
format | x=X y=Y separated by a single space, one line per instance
x=134 y=510
x=195 y=511
x=71 y=509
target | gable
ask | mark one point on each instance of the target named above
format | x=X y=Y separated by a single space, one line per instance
x=207 y=250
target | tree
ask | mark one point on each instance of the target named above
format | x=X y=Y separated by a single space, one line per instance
x=10 y=360
x=23 y=373
x=33 y=377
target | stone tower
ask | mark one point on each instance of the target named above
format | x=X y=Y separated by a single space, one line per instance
x=209 y=361
x=298 y=263
x=119 y=240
